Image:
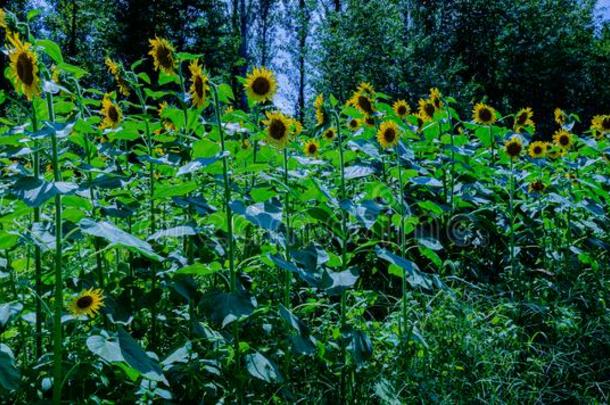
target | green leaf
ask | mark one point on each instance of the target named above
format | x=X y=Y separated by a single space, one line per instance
x=225 y=93
x=174 y=190
x=9 y=374
x=225 y=308
x=34 y=192
x=116 y=236
x=199 y=269
x=262 y=368
x=51 y=49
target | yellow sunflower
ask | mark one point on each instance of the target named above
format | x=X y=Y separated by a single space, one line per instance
x=513 y=146
x=435 y=97
x=523 y=119
x=278 y=129
x=563 y=139
x=483 y=114
x=199 y=84
x=162 y=52
x=601 y=124
x=363 y=99
x=368 y=121
x=88 y=302
x=311 y=148
x=23 y=67
x=353 y=124
x=261 y=85
x=536 y=187
x=296 y=128
x=388 y=134
x=111 y=113
x=115 y=70
x=426 y=110
x=538 y=149
x=330 y=134
x=401 y=108
x=555 y=152
x=318 y=105
x=3 y=24
x=560 y=116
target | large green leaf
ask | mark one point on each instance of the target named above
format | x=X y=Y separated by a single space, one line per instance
x=262 y=368
x=34 y=192
x=116 y=236
x=9 y=374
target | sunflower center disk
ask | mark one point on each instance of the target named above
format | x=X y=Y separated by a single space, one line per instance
x=25 y=69
x=429 y=110
x=199 y=86
x=513 y=149
x=365 y=104
x=113 y=114
x=164 y=57
x=485 y=115
x=402 y=110
x=261 y=86
x=389 y=135
x=277 y=130
x=84 y=302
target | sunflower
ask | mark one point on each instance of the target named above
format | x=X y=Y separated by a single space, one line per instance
x=401 y=108
x=483 y=114
x=278 y=129
x=523 y=119
x=426 y=110
x=168 y=125
x=560 y=116
x=563 y=139
x=555 y=152
x=368 y=121
x=513 y=146
x=330 y=134
x=88 y=302
x=363 y=99
x=199 y=84
x=318 y=105
x=23 y=67
x=115 y=70
x=388 y=134
x=536 y=186
x=261 y=85
x=353 y=124
x=311 y=148
x=538 y=149
x=296 y=128
x=3 y=24
x=162 y=52
x=111 y=113
x=601 y=124
x=435 y=97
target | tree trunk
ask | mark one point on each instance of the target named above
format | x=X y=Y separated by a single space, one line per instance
x=303 y=29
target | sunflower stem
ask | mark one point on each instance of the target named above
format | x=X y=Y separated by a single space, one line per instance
x=37 y=253
x=287 y=274
x=57 y=327
x=229 y=219
x=512 y=216
x=403 y=212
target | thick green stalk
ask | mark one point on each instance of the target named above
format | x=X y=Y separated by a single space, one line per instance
x=287 y=275
x=57 y=327
x=512 y=217
x=492 y=145
x=403 y=241
x=37 y=253
x=229 y=212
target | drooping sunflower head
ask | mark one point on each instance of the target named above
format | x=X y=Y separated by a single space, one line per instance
x=318 y=105
x=538 y=149
x=426 y=110
x=260 y=85
x=436 y=97
x=523 y=118
x=296 y=128
x=3 y=24
x=88 y=302
x=111 y=113
x=563 y=139
x=113 y=67
x=601 y=123
x=364 y=99
x=513 y=146
x=199 y=84
x=483 y=114
x=353 y=124
x=116 y=69
x=388 y=134
x=401 y=108
x=330 y=134
x=278 y=129
x=162 y=52
x=536 y=186
x=560 y=116
x=311 y=148
x=23 y=67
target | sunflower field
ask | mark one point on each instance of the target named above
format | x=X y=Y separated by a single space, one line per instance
x=169 y=240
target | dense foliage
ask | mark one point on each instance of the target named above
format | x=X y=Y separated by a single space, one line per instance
x=168 y=235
